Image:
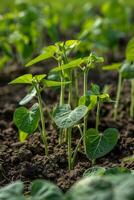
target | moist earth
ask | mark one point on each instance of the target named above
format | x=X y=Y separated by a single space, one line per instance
x=26 y=161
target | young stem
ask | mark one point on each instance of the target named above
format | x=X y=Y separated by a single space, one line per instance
x=64 y=60
x=43 y=131
x=118 y=96
x=132 y=99
x=69 y=148
x=70 y=90
x=62 y=91
x=76 y=86
x=76 y=151
x=98 y=115
x=85 y=91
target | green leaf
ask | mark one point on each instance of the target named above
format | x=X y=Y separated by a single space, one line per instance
x=117 y=170
x=28 y=97
x=44 y=190
x=104 y=97
x=48 y=83
x=95 y=171
x=127 y=71
x=40 y=77
x=89 y=100
x=27 y=120
x=64 y=117
x=28 y=79
x=99 y=144
x=13 y=191
x=72 y=43
x=95 y=89
x=130 y=50
x=71 y=65
x=93 y=102
x=22 y=136
x=47 y=53
x=24 y=79
x=93 y=58
x=118 y=187
x=113 y=66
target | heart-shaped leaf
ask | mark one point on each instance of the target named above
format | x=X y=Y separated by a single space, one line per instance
x=27 y=120
x=99 y=144
x=64 y=117
x=44 y=190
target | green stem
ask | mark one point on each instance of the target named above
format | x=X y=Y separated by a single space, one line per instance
x=132 y=99
x=76 y=151
x=98 y=115
x=118 y=96
x=69 y=148
x=62 y=91
x=85 y=91
x=43 y=131
x=76 y=86
x=70 y=90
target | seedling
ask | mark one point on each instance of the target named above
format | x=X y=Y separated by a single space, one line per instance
x=126 y=72
x=26 y=120
x=99 y=144
x=66 y=118
x=59 y=51
x=88 y=63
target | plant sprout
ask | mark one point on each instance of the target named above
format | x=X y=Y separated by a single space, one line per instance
x=125 y=72
x=98 y=144
x=59 y=51
x=66 y=118
x=26 y=120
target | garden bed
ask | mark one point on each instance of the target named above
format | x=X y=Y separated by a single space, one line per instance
x=27 y=161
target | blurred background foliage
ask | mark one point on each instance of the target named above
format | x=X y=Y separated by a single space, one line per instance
x=26 y=26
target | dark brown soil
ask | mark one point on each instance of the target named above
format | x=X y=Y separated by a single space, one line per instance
x=26 y=161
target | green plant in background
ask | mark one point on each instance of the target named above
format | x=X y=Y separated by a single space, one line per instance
x=103 y=31
x=26 y=120
x=26 y=26
x=19 y=34
x=126 y=72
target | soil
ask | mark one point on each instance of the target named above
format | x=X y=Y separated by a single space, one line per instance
x=26 y=161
